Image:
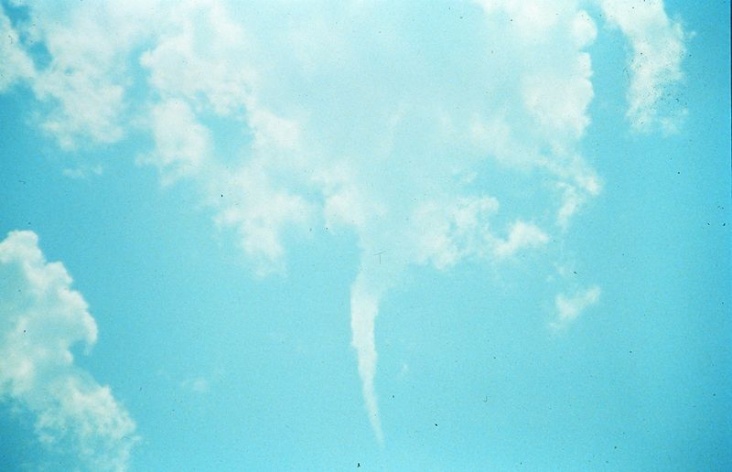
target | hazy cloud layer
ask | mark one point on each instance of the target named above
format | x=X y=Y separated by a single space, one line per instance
x=438 y=136
x=41 y=319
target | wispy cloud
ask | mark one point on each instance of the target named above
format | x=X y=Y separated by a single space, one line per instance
x=204 y=383
x=41 y=318
x=456 y=140
x=83 y=172
x=658 y=49
x=571 y=307
x=197 y=385
x=16 y=64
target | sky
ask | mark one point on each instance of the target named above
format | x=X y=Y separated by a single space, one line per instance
x=390 y=236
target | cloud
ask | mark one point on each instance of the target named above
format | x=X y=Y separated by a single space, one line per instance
x=203 y=384
x=83 y=172
x=521 y=235
x=197 y=385
x=41 y=318
x=16 y=64
x=364 y=309
x=658 y=49
x=181 y=143
x=569 y=308
x=435 y=138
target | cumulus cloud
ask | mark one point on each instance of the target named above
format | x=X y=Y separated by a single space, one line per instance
x=439 y=137
x=41 y=318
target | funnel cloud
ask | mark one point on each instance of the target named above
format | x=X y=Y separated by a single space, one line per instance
x=434 y=133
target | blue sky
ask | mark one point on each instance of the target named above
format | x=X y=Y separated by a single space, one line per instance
x=487 y=235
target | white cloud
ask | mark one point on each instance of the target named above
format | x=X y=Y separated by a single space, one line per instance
x=658 y=49
x=447 y=233
x=84 y=82
x=41 y=318
x=83 y=172
x=259 y=212
x=521 y=235
x=16 y=63
x=181 y=143
x=429 y=155
x=200 y=54
x=364 y=309
x=204 y=383
x=197 y=385
x=559 y=102
x=569 y=308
